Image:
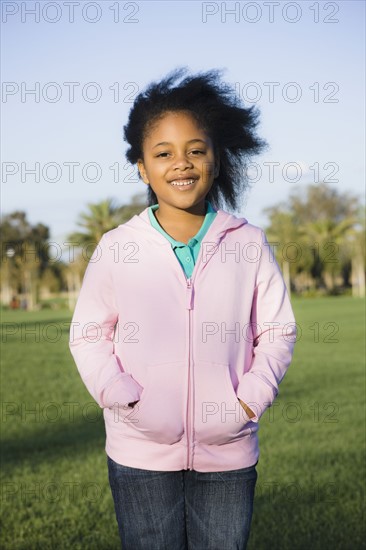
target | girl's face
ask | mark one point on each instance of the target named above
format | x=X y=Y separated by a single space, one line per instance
x=179 y=163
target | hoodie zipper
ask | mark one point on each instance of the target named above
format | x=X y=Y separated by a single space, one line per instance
x=189 y=291
x=190 y=388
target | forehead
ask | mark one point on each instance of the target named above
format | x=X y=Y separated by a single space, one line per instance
x=174 y=123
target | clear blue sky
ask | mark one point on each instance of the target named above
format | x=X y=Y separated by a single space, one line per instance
x=324 y=59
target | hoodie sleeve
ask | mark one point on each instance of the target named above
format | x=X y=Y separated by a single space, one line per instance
x=92 y=331
x=274 y=334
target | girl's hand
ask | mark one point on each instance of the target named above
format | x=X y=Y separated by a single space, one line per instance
x=249 y=411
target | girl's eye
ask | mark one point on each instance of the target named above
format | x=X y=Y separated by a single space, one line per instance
x=195 y=152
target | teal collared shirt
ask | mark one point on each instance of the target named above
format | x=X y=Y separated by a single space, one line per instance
x=186 y=253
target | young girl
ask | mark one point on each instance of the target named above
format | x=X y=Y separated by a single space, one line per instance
x=183 y=329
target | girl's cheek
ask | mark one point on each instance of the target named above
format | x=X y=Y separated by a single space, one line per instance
x=208 y=168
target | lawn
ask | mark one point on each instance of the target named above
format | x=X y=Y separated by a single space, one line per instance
x=310 y=489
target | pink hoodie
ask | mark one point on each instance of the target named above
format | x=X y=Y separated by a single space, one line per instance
x=185 y=348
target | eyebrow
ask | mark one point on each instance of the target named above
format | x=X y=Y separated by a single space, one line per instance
x=190 y=141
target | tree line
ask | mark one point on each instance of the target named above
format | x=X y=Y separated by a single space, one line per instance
x=317 y=236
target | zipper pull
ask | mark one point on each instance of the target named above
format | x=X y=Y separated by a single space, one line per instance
x=189 y=293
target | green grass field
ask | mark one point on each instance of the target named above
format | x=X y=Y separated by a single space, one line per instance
x=310 y=489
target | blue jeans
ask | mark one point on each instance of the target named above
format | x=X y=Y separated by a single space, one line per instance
x=182 y=510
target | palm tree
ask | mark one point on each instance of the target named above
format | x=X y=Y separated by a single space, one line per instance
x=284 y=233
x=356 y=253
x=326 y=236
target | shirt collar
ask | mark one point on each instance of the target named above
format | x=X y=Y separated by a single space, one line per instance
x=210 y=212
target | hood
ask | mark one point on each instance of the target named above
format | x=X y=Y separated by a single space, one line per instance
x=222 y=223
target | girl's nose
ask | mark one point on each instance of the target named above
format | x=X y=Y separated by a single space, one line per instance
x=182 y=161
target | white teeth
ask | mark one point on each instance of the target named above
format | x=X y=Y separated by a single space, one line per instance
x=181 y=182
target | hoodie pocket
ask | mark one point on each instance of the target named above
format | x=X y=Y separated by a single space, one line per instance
x=218 y=418
x=158 y=415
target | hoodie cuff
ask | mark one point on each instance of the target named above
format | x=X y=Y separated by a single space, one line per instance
x=255 y=394
x=245 y=415
x=122 y=390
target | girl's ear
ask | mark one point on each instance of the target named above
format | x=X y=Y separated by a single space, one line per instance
x=141 y=169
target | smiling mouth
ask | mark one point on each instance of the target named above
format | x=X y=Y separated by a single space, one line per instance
x=182 y=183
